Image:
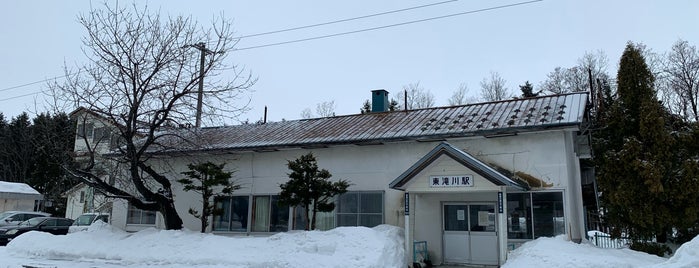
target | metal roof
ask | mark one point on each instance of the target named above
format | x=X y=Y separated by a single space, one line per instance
x=490 y=118
x=460 y=156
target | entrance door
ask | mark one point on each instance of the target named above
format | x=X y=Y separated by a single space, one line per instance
x=469 y=234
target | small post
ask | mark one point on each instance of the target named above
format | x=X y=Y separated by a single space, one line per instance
x=264 y=121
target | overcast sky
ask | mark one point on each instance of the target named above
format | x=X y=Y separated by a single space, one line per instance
x=523 y=42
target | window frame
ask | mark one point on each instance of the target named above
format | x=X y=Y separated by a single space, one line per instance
x=141 y=217
x=229 y=229
x=531 y=225
x=270 y=210
x=359 y=213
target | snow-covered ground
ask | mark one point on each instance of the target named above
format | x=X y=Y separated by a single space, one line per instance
x=382 y=246
x=105 y=246
x=558 y=252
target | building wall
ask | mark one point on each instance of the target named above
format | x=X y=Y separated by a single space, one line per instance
x=17 y=204
x=542 y=155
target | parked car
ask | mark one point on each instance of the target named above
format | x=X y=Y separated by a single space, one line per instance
x=9 y=218
x=85 y=220
x=54 y=225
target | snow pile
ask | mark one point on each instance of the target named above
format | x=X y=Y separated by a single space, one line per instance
x=558 y=252
x=381 y=246
x=686 y=256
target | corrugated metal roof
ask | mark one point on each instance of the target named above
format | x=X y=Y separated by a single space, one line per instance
x=509 y=116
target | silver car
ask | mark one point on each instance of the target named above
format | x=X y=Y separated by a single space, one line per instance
x=15 y=217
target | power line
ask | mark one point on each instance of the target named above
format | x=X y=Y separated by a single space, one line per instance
x=345 y=20
x=23 y=95
x=387 y=26
x=317 y=37
x=32 y=83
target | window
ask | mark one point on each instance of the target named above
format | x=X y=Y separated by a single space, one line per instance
x=85 y=130
x=268 y=216
x=324 y=220
x=138 y=216
x=115 y=141
x=102 y=135
x=360 y=209
x=519 y=217
x=234 y=214
x=50 y=223
x=64 y=222
x=535 y=214
x=548 y=214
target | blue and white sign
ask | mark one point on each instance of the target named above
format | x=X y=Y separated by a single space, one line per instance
x=407 y=204
x=500 y=204
x=451 y=181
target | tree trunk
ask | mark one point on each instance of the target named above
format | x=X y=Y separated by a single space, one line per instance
x=206 y=208
x=661 y=236
x=204 y=217
x=171 y=218
x=315 y=209
x=308 y=220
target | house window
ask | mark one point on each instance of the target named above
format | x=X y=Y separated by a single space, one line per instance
x=85 y=130
x=324 y=220
x=139 y=216
x=535 y=214
x=360 y=209
x=101 y=135
x=268 y=216
x=234 y=214
x=82 y=196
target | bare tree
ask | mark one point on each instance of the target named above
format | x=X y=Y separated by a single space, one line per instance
x=418 y=97
x=306 y=113
x=577 y=78
x=460 y=96
x=323 y=109
x=681 y=73
x=493 y=88
x=142 y=76
x=326 y=108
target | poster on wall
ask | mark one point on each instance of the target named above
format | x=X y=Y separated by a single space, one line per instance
x=483 y=219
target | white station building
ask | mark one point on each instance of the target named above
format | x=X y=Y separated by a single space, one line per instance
x=471 y=182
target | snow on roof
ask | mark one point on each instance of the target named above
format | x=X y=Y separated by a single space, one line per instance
x=17 y=190
x=489 y=118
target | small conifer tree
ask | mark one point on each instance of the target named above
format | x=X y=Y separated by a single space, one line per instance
x=206 y=179
x=310 y=188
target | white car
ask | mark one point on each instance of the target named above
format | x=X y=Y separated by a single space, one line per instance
x=85 y=220
x=8 y=218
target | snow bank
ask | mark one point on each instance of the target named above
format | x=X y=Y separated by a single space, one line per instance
x=381 y=246
x=558 y=252
x=685 y=257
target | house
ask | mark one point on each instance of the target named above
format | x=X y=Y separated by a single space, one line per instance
x=94 y=134
x=18 y=196
x=472 y=181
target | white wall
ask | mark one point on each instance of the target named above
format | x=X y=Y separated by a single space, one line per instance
x=16 y=204
x=373 y=167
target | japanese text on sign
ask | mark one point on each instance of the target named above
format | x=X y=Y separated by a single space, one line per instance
x=451 y=181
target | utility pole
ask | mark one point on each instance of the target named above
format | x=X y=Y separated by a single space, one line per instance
x=200 y=94
x=201 y=46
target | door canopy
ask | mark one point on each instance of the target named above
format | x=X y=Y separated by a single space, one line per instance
x=463 y=158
